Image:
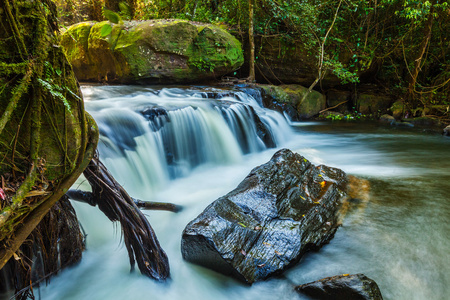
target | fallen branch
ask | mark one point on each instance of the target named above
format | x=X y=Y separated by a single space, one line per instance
x=332 y=107
x=89 y=198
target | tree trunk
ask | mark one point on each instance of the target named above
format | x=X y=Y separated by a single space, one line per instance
x=46 y=137
x=251 y=38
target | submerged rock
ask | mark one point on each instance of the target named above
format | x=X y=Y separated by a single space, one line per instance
x=281 y=210
x=342 y=287
x=155 y=51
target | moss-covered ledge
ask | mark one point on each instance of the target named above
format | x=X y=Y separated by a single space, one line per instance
x=156 y=51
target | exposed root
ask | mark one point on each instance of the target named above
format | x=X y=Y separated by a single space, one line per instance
x=139 y=237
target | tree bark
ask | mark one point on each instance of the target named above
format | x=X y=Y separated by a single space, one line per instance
x=251 y=38
x=53 y=136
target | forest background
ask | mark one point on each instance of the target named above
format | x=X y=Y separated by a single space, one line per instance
x=403 y=46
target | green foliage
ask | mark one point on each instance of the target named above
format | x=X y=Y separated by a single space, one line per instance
x=383 y=36
x=112 y=16
x=125 y=10
x=106 y=30
x=203 y=65
x=55 y=90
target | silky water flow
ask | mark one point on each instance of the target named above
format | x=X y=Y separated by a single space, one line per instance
x=190 y=146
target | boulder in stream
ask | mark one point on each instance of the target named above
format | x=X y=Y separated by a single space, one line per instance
x=293 y=99
x=154 y=51
x=342 y=287
x=281 y=210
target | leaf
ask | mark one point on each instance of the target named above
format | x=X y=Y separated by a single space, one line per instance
x=111 y=16
x=106 y=30
x=242 y=224
x=54 y=91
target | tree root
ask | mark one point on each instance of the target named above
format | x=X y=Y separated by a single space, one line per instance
x=139 y=238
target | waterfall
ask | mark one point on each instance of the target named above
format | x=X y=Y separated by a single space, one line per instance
x=159 y=135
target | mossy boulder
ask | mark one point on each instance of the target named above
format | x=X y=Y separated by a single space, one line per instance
x=398 y=109
x=289 y=98
x=371 y=100
x=157 y=51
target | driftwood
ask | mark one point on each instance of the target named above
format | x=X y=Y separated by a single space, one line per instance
x=139 y=238
x=89 y=198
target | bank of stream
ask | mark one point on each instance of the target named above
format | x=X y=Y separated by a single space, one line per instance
x=398 y=237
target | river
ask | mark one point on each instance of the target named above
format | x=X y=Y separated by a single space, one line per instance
x=174 y=145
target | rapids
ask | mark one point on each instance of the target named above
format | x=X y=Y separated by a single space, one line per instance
x=190 y=146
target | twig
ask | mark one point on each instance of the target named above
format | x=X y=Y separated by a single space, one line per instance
x=332 y=107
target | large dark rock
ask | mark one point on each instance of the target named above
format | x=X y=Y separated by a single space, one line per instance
x=278 y=212
x=342 y=287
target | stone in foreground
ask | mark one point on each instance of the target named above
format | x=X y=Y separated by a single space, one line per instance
x=278 y=212
x=342 y=287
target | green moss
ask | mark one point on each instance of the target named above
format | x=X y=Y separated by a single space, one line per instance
x=294 y=95
x=161 y=51
x=214 y=49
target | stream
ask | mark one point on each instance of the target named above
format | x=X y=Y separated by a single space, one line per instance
x=191 y=145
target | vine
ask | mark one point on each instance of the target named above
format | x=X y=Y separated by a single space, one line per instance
x=42 y=106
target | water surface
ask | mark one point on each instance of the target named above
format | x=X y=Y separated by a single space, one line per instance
x=399 y=237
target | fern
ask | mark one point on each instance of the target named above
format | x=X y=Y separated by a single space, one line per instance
x=55 y=91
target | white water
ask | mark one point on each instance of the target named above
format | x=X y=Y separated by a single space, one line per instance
x=398 y=239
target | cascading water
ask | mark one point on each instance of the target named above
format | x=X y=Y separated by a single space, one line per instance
x=160 y=135
x=190 y=146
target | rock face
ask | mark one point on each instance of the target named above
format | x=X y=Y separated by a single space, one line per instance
x=156 y=51
x=289 y=99
x=278 y=212
x=342 y=287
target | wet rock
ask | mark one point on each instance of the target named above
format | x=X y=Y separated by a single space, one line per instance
x=286 y=98
x=154 y=51
x=447 y=131
x=388 y=119
x=157 y=116
x=342 y=287
x=281 y=210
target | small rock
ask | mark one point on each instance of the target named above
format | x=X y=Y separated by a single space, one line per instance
x=387 y=119
x=447 y=131
x=342 y=287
